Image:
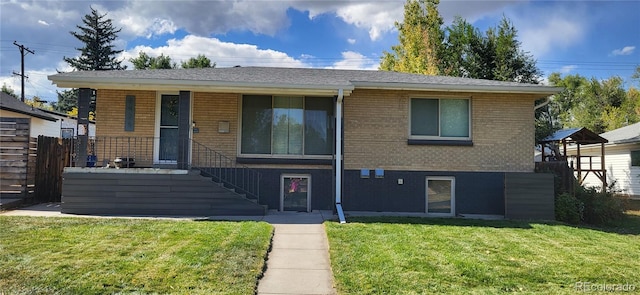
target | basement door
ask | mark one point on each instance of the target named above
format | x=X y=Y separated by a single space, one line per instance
x=440 y=200
x=295 y=192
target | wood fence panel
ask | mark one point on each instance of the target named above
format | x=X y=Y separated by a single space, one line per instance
x=16 y=174
x=53 y=155
x=529 y=196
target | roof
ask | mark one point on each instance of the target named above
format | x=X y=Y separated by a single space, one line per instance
x=627 y=134
x=257 y=79
x=10 y=103
x=578 y=135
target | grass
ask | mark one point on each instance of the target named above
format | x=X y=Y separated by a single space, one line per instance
x=425 y=256
x=130 y=256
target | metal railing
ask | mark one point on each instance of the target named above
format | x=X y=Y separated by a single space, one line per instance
x=138 y=152
x=225 y=170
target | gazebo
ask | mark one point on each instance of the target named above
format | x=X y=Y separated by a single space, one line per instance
x=583 y=164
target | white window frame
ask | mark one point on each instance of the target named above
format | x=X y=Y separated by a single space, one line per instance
x=286 y=175
x=428 y=137
x=453 y=196
x=272 y=155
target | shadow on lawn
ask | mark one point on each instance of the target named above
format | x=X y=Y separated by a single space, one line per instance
x=630 y=225
x=442 y=221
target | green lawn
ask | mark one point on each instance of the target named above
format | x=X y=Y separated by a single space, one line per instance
x=425 y=256
x=108 y=256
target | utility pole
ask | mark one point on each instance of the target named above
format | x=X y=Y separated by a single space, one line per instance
x=23 y=51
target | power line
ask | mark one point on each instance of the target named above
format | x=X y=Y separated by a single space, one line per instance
x=22 y=75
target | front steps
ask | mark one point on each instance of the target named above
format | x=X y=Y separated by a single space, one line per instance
x=111 y=193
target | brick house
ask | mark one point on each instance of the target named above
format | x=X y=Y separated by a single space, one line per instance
x=409 y=143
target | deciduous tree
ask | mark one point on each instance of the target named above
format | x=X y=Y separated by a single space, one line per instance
x=146 y=62
x=200 y=61
x=421 y=40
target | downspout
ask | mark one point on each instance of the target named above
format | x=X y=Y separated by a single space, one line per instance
x=546 y=102
x=339 y=156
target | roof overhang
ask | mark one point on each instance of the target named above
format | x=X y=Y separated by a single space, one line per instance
x=195 y=85
x=39 y=116
x=546 y=91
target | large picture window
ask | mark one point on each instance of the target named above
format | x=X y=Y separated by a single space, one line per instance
x=440 y=118
x=286 y=125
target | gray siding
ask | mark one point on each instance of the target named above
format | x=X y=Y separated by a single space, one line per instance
x=151 y=194
x=529 y=196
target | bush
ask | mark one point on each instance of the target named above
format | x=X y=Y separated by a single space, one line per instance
x=568 y=208
x=600 y=207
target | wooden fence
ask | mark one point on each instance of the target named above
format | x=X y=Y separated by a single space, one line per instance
x=563 y=175
x=17 y=159
x=53 y=155
x=30 y=169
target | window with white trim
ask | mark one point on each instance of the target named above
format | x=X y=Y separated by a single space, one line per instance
x=286 y=125
x=446 y=119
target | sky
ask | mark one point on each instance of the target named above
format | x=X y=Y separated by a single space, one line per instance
x=596 y=39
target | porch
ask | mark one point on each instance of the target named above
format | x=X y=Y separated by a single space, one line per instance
x=149 y=176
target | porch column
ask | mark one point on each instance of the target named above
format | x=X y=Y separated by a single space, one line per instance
x=84 y=99
x=184 y=126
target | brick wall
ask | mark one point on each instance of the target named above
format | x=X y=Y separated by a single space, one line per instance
x=110 y=105
x=208 y=110
x=376 y=130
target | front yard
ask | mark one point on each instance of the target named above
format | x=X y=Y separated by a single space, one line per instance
x=426 y=256
x=109 y=256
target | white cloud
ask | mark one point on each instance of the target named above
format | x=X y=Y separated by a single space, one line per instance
x=224 y=54
x=44 y=23
x=627 y=50
x=378 y=17
x=351 y=41
x=36 y=85
x=141 y=18
x=355 y=61
x=568 y=69
x=544 y=30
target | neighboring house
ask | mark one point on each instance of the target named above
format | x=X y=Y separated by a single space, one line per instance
x=622 y=159
x=408 y=143
x=69 y=124
x=43 y=122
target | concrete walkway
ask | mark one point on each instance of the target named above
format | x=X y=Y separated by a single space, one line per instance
x=299 y=259
x=298 y=262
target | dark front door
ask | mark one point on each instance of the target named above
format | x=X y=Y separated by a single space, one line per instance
x=169 y=110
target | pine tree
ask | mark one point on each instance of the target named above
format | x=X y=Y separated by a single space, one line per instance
x=98 y=53
x=67 y=100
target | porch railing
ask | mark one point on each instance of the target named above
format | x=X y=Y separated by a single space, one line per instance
x=225 y=170
x=138 y=152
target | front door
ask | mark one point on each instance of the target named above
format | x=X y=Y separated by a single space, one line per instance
x=168 y=143
x=295 y=193
x=441 y=196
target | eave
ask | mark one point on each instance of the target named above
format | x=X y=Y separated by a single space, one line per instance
x=200 y=86
x=543 y=91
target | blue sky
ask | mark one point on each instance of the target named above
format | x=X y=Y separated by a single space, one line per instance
x=596 y=39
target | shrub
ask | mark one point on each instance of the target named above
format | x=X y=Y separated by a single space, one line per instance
x=600 y=207
x=568 y=208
